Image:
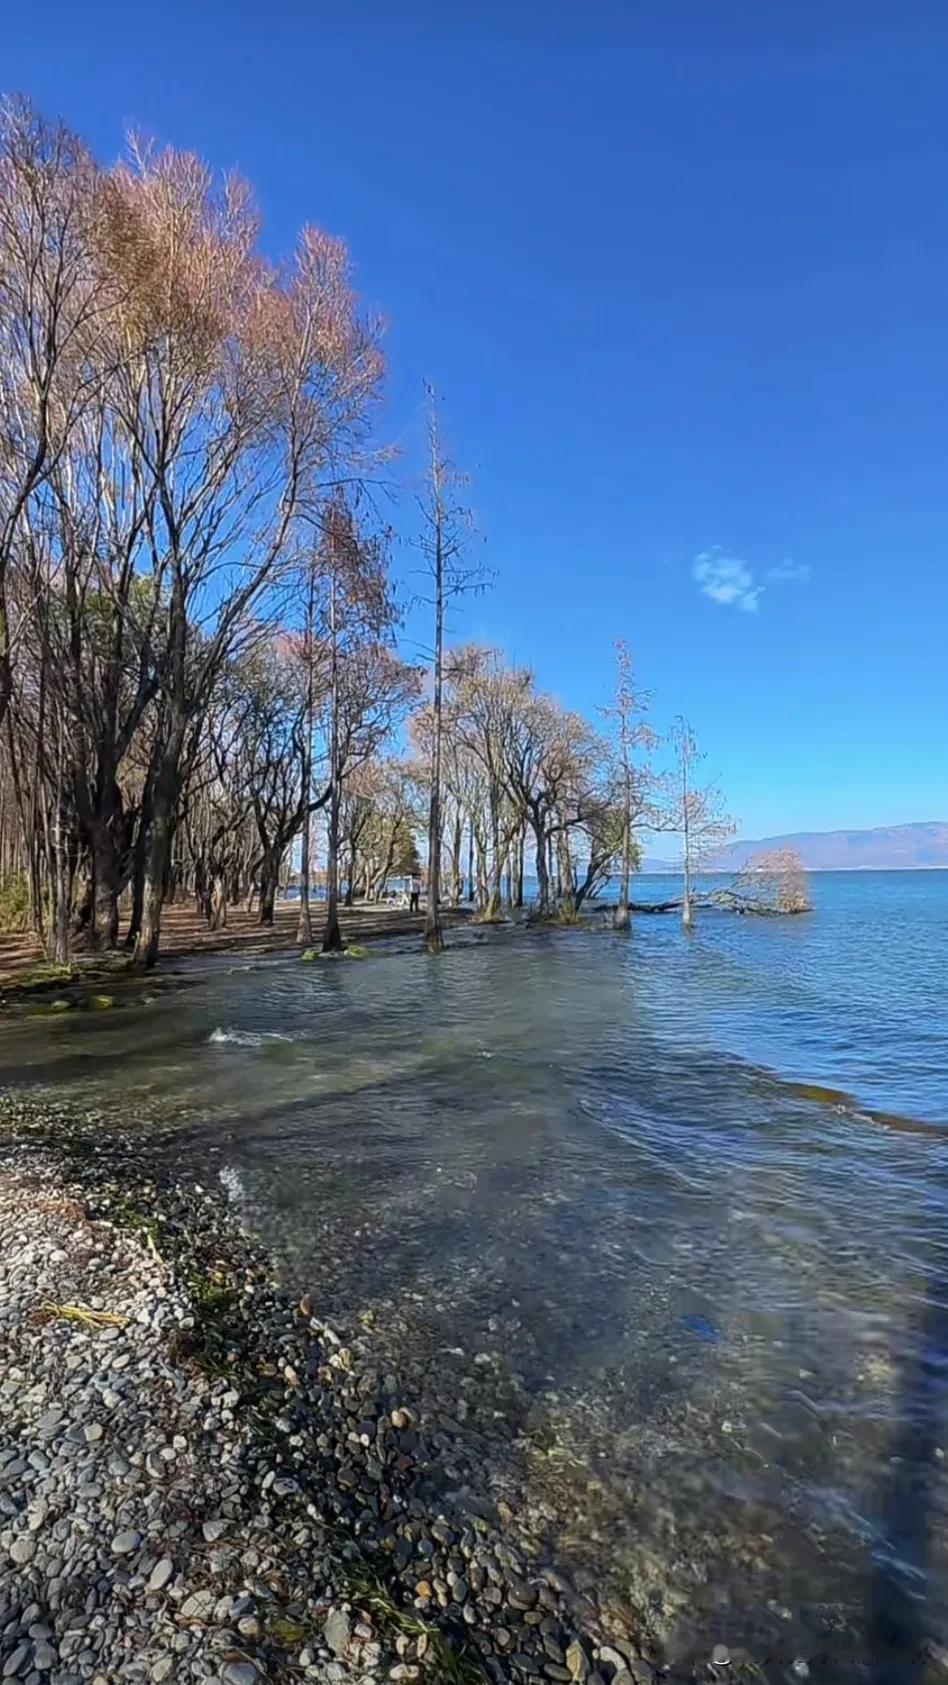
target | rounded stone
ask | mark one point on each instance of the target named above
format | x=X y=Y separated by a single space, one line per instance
x=161 y=1574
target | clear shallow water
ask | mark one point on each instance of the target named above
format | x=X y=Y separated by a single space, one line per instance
x=718 y=1304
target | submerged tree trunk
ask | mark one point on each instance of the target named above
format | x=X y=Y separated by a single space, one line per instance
x=566 y=882
x=492 y=910
x=687 y=914
x=543 y=874
x=621 y=918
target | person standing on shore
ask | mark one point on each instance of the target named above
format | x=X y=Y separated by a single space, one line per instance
x=414 y=898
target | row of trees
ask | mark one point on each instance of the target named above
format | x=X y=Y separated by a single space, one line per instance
x=177 y=416
x=197 y=622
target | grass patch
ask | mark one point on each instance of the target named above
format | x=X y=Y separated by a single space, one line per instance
x=448 y=1665
x=50 y=1009
x=48 y=1312
x=42 y=975
x=286 y=1632
x=353 y=952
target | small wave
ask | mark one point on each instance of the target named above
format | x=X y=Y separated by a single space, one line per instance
x=244 y=1038
x=232 y=1183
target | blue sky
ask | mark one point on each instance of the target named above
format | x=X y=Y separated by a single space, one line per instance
x=681 y=274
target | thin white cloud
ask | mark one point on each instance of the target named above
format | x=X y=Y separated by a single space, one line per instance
x=796 y=573
x=726 y=579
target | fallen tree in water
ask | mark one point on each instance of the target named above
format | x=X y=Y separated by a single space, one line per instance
x=773 y=884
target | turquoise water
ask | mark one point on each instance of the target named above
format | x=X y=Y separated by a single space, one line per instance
x=684 y=1200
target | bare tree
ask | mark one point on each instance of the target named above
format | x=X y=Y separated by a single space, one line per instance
x=304 y=928
x=51 y=305
x=633 y=738
x=368 y=685
x=773 y=881
x=240 y=388
x=445 y=525
x=697 y=813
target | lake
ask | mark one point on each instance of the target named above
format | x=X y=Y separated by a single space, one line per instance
x=683 y=1200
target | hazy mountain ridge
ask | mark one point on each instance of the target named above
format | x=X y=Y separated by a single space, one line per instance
x=887 y=848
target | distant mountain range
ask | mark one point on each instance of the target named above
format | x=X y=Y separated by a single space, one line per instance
x=888 y=848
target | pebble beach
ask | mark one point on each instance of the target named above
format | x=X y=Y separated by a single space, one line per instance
x=201 y=1480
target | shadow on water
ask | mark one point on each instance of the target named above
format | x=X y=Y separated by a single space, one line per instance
x=909 y=1557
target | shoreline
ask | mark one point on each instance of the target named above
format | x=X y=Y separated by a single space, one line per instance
x=374 y=1551
x=187 y=938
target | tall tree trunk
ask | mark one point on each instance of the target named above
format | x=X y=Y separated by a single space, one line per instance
x=434 y=938
x=622 y=918
x=457 y=875
x=351 y=878
x=304 y=928
x=566 y=879
x=687 y=915
x=139 y=856
x=543 y=872
x=492 y=910
x=269 y=884
x=470 y=861
x=107 y=879
x=332 y=934
x=158 y=861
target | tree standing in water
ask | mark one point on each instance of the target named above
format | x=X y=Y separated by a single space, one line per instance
x=445 y=524
x=632 y=733
x=369 y=686
x=698 y=814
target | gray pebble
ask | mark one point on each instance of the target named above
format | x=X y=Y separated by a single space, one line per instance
x=160 y=1574
x=338 y=1631
x=199 y=1606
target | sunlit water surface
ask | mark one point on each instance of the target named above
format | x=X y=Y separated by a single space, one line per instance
x=620 y=1172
